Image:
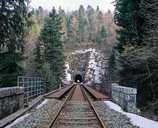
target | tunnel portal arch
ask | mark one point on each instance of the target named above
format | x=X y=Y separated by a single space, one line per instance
x=78 y=78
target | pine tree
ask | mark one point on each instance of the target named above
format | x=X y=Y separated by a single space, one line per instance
x=40 y=15
x=81 y=23
x=103 y=32
x=39 y=59
x=137 y=47
x=149 y=87
x=101 y=35
x=126 y=16
x=99 y=19
x=73 y=27
x=91 y=23
x=64 y=23
x=51 y=36
x=13 y=21
x=148 y=12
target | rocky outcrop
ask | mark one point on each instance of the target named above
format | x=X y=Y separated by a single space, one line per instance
x=88 y=63
x=95 y=69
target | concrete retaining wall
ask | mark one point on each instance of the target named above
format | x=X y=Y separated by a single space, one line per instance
x=11 y=99
x=125 y=97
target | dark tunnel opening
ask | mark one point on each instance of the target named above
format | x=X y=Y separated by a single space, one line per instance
x=78 y=78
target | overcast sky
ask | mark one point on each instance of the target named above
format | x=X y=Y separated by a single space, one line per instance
x=69 y=5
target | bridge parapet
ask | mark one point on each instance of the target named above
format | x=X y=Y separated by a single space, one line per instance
x=125 y=97
x=11 y=99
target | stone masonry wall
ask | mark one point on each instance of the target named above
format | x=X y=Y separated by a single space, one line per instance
x=125 y=97
x=11 y=99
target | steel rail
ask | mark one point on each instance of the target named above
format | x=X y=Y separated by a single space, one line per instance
x=61 y=107
x=6 y=121
x=92 y=106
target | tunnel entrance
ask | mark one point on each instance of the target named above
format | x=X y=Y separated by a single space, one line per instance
x=78 y=78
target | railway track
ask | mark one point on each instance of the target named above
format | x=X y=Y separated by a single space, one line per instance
x=69 y=107
x=77 y=111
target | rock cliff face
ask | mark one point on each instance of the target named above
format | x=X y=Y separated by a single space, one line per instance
x=88 y=63
x=95 y=69
x=78 y=63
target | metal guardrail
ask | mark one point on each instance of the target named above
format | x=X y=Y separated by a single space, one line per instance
x=33 y=86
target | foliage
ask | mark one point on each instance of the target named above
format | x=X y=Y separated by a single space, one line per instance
x=113 y=66
x=39 y=58
x=51 y=37
x=91 y=18
x=84 y=25
x=63 y=24
x=137 y=47
x=82 y=22
x=126 y=16
x=13 y=21
x=101 y=35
